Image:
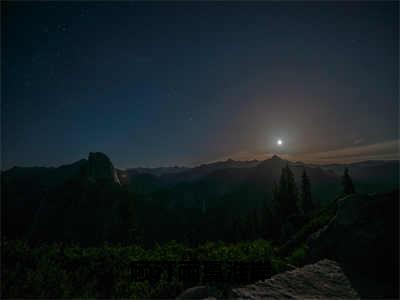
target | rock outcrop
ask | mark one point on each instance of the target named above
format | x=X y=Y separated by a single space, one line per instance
x=100 y=168
x=322 y=280
x=364 y=238
x=364 y=228
x=199 y=292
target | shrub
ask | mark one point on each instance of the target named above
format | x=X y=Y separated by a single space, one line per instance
x=71 y=271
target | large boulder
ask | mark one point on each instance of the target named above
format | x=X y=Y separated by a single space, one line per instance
x=364 y=238
x=322 y=280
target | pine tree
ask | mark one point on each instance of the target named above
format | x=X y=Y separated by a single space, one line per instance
x=347 y=183
x=287 y=193
x=271 y=224
x=256 y=223
x=306 y=200
x=275 y=193
x=236 y=230
x=292 y=190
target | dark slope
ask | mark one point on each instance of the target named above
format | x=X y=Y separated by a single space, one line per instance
x=28 y=193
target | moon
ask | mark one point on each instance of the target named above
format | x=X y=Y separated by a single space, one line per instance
x=279 y=142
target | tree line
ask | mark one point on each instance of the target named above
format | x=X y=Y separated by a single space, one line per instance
x=290 y=209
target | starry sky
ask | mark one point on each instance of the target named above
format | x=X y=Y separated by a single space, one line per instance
x=156 y=84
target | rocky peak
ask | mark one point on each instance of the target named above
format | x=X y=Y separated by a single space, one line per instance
x=276 y=158
x=275 y=162
x=101 y=168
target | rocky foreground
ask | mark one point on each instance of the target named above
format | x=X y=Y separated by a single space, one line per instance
x=322 y=280
x=355 y=255
x=363 y=238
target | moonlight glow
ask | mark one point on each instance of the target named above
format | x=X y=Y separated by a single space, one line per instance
x=279 y=142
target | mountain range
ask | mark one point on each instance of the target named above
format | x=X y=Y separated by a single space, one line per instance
x=163 y=203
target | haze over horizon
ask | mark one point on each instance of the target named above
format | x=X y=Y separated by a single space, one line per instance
x=164 y=84
x=323 y=158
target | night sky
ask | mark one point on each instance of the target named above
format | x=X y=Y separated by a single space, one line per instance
x=155 y=84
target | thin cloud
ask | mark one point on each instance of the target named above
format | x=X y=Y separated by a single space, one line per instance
x=379 y=151
x=358 y=141
x=388 y=150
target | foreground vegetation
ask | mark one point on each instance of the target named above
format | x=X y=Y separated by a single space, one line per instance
x=73 y=268
x=57 y=270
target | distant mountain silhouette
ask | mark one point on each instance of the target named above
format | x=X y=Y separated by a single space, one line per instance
x=168 y=203
x=98 y=167
x=385 y=172
x=173 y=175
x=157 y=171
x=42 y=176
